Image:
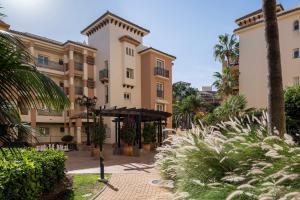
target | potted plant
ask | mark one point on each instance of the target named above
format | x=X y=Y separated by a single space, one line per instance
x=128 y=136
x=67 y=138
x=148 y=136
x=98 y=137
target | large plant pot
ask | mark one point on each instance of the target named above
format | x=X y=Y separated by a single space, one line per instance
x=147 y=147
x=128 y=150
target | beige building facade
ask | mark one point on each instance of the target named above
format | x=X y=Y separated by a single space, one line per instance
x=253 y=54
x=113 y=66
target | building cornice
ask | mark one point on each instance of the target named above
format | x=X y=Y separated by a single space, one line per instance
x=109 y=17
x=129 y=39
x=157 y=51
x=279 y=16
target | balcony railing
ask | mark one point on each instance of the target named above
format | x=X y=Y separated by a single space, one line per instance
x=46 y=112
x=103 y=75
x=51 y=65
x=78 y=66
x=91 y=83
x=160 y=93
x=161 y=72
x=90 y=60
x=79 y=90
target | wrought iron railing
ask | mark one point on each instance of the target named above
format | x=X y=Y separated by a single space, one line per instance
x=51 y=65
x=79 y=90
x=78 y=66
x=47 y=112
x=103 y=74
x=160 y=93
x=161 y=72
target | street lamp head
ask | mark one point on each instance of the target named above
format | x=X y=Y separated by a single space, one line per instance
x=79 y=100
x=84 y=99
x=94 y=100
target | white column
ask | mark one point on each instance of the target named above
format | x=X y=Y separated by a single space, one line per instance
x=78 y=134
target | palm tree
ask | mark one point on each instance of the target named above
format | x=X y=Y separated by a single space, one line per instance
x=225 y=83
x=275 y=89
x=22 y=84
x=227 y=50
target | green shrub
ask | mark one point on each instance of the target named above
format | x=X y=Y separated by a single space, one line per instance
x=236 y=159
x=128 y=135
x=292 y=110
x=30 y=174
x=99 y=133
x=67 y=138
x=149 y=133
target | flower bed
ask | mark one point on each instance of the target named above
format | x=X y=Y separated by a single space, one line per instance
x=26 y=174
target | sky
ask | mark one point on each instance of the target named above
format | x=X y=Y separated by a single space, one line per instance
x=187 y=29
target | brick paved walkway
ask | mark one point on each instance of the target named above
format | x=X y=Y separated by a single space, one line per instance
x=131 y=176
x=134 y=187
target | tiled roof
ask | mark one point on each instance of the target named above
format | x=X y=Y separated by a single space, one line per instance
x=151 y=48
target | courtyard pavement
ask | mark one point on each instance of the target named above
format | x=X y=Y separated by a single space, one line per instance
x=131 y=176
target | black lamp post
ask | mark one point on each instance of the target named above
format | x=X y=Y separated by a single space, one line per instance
x=88 y=102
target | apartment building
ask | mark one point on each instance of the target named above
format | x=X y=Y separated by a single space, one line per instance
x=253 y=54
x=114 y=66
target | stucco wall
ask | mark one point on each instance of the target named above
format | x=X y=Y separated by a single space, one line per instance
x=253 y=62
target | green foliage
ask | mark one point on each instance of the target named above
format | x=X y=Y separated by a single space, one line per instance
x=236 y=159
x=183 y=89
x=30 y=174
x=67 y=138
x=99 y=133
x=225 y=83
x=232 y=107
x=149 y=133
x=292 y=111
x=128 y=135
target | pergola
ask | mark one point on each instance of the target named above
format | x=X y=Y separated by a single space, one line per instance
x=140 y=115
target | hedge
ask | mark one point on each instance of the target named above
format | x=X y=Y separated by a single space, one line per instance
x=30 y=173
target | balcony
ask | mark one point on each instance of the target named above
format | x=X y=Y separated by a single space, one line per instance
x=51 y=65
x=90 y=60
x=79 y=90
x=91 y=83
x=47 y=112
x=161 y=72
x=78 y=66
x=160 y=93
x=103 y=75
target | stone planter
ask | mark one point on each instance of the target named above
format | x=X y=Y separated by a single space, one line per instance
x=147 y=147
x=127 y=150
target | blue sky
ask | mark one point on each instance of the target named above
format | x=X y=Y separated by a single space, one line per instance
x=187 y=29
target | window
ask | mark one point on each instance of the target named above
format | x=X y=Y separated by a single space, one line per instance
x=296 y=53
x=296 y=25
x=296 y=80
x=160 y=90
x=62 y=129
x=129 y=51
x=129 y=73
x=160 y=64
x=106 y=93
x=42 y=60
x=43 y=131
x=160 y=107
x=106 y=64
x=127 y=96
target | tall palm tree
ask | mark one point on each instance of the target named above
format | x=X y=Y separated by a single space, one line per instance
x=22 y=84
x=275 y=89
x=227 y=50
x=225 y=83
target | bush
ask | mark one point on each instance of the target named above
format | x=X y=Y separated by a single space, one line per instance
x=67 y=138
x=149 y=133
x=128 y=135
x=292 y=110
x=29 y=173
x=232 y=160
x=99 y=133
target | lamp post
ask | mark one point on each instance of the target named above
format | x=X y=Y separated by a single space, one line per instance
x=88 y=102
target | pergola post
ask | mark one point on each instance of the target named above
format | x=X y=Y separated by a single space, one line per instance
x=119 y=130
x=116 y=131
x=140 y=130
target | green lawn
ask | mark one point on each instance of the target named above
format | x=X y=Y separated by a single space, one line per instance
x=85 y=186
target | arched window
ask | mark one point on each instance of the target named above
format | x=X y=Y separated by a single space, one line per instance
x=296 y=25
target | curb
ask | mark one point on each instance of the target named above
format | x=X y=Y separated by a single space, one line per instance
x=98 y=194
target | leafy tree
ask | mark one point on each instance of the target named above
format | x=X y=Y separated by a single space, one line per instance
x=227 y=50
x=22 y=84
x=225 y=83
x=275 y=88
x=182 y=89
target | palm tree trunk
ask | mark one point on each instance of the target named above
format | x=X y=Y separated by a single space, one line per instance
x=275 y=90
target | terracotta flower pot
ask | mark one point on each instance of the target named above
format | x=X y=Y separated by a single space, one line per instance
x=147 y=147
x=95 y=152
x=128 y=150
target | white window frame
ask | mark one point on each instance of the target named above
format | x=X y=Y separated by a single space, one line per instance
x=296 y=80
x=44 y=59
x=159 y=106
x=129 y=73
x=162 y=61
